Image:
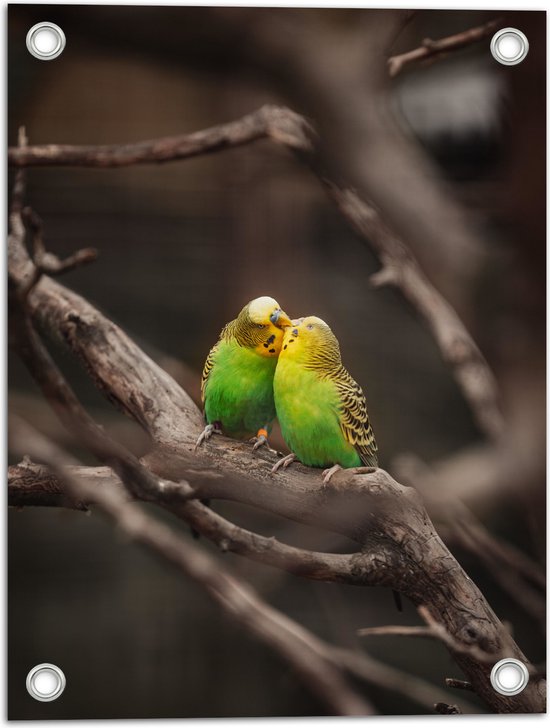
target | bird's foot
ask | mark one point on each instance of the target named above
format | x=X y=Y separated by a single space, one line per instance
x=284 y=462
x=207 y=433
x=329 y=472
x=260 y=440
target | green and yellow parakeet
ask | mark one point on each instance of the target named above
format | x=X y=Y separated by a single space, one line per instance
x=321 y=408
x=237 y=381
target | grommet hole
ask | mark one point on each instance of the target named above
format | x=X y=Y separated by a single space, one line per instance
x=45 y=41
x=509 y=46
x=45 y=682
x=509 y=676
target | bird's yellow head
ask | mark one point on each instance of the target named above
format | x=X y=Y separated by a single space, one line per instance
x=260 y=326
x=310 y=341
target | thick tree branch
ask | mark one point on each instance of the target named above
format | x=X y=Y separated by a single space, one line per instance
x=30 y=484
x=307 y=654
x=432 y=50
x=522 y=578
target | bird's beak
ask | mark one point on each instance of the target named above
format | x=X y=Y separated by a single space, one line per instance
x=280 y=319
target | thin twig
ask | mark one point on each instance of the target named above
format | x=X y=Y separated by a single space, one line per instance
x=436 y=630
x=452 y=682
x=396 y=630
x=432 y=50
x=470 y=650
x=47 y=262
x=366 y=668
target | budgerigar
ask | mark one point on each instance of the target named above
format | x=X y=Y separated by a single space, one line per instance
x=237 y=381
x=321 y=408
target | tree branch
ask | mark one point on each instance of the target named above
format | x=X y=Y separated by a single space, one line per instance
x=452 y=682
x=30 y=484
x=522 y=578
x=433 y=50
x=276 y=123
x=45 y=262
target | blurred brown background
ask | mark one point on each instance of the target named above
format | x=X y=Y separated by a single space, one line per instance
x=183 y=246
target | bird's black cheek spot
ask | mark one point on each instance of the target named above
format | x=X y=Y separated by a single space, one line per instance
x=270 y=340
x=266 y=345
x=272 y=351
x=284 y=347
x=290 y=341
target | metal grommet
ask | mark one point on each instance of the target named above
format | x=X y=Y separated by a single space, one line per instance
x=46 y=41
x=509 y=46
x=509 y=676
x=45 y=682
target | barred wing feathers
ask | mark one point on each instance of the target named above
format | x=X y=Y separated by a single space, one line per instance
x=208 y=366
x=354 y=418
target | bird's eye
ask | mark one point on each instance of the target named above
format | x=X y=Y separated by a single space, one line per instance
x=309 y=326
x=260 y=326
